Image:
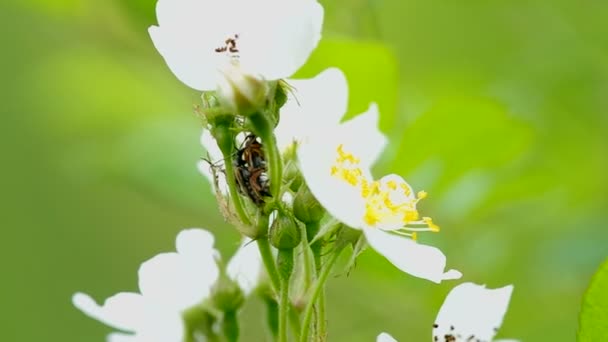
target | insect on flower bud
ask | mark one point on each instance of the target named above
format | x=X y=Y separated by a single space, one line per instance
x=284 y=232
x=306 y=208
x=242 y=93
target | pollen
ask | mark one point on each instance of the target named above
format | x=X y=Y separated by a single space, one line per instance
x=346 y=167
x=390 y=202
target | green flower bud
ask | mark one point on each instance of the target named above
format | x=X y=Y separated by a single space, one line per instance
x=242 y=93
x=221 y=129
x=280 y=95
x=284 y=232
x=197 y=320
x=306 y=208
x=292 y=175
x=227 y=296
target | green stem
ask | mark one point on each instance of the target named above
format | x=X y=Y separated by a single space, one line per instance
x=285 y=267
x=272 y=315
x=232 y=188
x=268 y=260
x=283 y=310
x=273 y=274
x=294 y=322
x=307 y=258
x=321 y=322
x=319 y=285
x=230 y=326
x=264 y=129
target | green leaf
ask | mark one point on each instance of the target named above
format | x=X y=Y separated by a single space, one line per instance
x=371 y=71
x=593 y=320
x=462 y=133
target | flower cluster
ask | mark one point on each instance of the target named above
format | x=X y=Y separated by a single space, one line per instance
x=177 y=291
x=293 y=178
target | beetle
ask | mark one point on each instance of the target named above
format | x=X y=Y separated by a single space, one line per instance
x=250 y=170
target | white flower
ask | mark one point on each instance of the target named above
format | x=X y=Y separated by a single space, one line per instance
x=245 y=268
x=336 y=158
x=215 y=160
x=470 y=312
x=169 y=284
x=202 y=40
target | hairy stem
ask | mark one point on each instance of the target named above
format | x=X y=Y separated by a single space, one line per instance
x=318 y=288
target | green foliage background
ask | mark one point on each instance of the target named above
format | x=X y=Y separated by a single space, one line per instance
x=499 y=109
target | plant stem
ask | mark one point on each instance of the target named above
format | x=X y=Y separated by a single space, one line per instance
x=321 y=322
x=264 y=129
x=319 y=285
x=268 y=260
x=307 y=259
x=283 y=310
x=294 y=322
x=230 y=326
x=285 y=265
x=232 y=188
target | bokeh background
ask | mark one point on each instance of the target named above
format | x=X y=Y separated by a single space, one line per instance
x=498 y=109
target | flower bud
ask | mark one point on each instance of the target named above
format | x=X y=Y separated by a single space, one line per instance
x=227 y=296
x=280 y=95
x=306 y=208
x=284 y=232
x=243 y=93
x=221 y=129
x=292 y=176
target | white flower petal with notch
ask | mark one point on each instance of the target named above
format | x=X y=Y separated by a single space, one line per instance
x=169 y=283
x=313 y=105
x=124 y=310
x=176 y=279
x=473 y=310
x=470 y=312
x=317 y=156
x=272 y=38
x=419 y=260
x=337 y=167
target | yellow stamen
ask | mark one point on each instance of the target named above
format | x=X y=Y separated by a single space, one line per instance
x=390 y=202
x=429 y=222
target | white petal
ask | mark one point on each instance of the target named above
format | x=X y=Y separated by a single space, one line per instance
x=342 y=200
x=315 y=104
x=195 y=241
x=275 y=37
x=120 y=337
x=191 y=63
x=472 y=310
x=189 y=31
x=245 y=267
x=362 y=137
x=384 y=337
x=182 y=279
x=123 y=311
x=209 y=144
x=278 y=35
x=416 y=259
x=162 y=326
x=206 y=170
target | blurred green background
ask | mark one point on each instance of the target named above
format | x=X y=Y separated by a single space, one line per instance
x=499 y=109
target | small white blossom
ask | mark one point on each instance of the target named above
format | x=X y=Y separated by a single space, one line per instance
x=336 y=159
x=204 y=40
x=245 y=268
x=169 y=284
x=470 y=312
x=215 y=160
